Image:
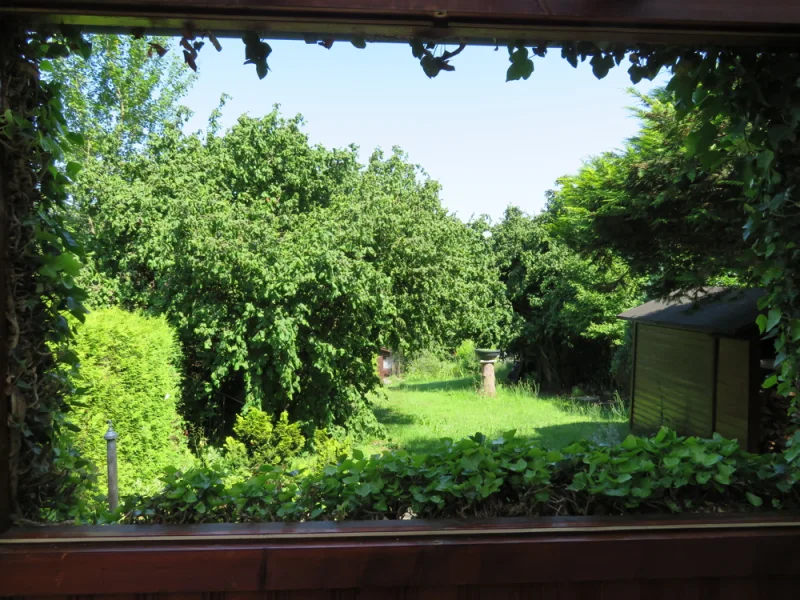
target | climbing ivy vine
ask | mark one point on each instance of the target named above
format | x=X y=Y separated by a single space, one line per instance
x=749 y=101
x=43 y=261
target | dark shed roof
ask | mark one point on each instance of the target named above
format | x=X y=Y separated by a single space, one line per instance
x=714 y=310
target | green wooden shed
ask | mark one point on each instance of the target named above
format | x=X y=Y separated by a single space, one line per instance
x=698 y=365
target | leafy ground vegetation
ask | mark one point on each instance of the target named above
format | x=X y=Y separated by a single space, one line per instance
x=264 y=273
x=484 y=477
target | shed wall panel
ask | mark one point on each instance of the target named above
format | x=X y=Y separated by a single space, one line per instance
x=733 y=389
x=674 y=383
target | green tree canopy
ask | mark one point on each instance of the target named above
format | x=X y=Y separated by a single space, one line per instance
x=122 y=93
x=566 y=305
x=654 y=206
x=284 y=266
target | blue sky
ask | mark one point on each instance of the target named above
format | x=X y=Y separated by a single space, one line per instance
x=488 y=142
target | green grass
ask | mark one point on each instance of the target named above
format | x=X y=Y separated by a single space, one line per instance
x=419 y=413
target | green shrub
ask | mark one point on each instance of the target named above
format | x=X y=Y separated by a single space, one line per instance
x=231 y=459
x=438 y=364
x=477 y=477
x=466 y=359
x=268 y=443
x=128 y=374
x=327 y=450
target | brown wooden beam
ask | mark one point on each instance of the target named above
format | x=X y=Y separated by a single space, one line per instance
x=306 y=556
x=656 y=21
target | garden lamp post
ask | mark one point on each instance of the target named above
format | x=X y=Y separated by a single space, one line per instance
x=111 y=458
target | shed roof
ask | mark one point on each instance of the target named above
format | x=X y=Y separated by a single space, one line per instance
x=726 y=311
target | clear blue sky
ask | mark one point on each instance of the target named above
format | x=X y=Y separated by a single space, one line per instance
x=488 y=142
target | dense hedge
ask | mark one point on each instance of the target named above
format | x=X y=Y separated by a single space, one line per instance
x=477 y=477
x=128 y=373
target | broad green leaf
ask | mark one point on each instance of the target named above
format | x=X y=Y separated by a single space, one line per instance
x=795 y=330
x=554 y=456
x=773 y=318
x=753 y=499
x=699 y=141
x=771 y=381
x=67 y=263
x=73 y=168
x=519 y=71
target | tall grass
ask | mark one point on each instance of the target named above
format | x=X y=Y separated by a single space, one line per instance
x=439 y=396
x=439 y=365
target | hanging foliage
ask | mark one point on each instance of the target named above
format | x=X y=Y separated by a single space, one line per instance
x=43 y=261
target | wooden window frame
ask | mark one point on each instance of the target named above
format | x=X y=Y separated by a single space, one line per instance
x=678 y=22
x=612 y=557
x=257 y=558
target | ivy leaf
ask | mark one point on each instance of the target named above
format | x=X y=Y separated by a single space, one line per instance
x=214 y=41
x=700 y=140
x=637 y=73
x=795 y=330
x=764 y=159
x=771 y=381
x=761 y=321
x=57 y=51
x=753 y=499
x=430 y=65
x=554 y=456
x=521 y=65
x=417 y=48
x=158 y=48
x=256 y=53
x=519 y=466
x=67 y=263
x=76 y=139
x=73 y=168
x=570 y=54
x=778 y=133
x=601 y=65
x=520 y=70
x=773 y=319
x=188 y=58
x=703 y=477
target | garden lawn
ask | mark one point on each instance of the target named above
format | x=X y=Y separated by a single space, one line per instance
x=417 y=414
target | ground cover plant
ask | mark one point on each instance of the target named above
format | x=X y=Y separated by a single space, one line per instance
x=486 y=477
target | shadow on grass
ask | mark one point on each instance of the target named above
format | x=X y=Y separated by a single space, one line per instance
x=390 y=416
x=551 y=437
x=450 y=385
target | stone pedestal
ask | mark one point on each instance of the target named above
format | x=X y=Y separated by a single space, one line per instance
x=487 y=375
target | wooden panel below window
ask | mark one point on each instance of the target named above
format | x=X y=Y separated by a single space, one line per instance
x=620 y=558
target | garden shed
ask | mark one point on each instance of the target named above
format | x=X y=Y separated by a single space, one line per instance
x=698 y=364
x=385 y=363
